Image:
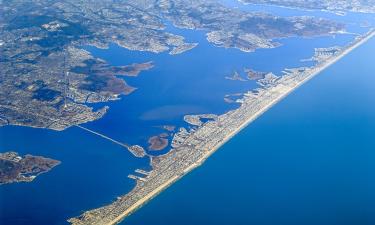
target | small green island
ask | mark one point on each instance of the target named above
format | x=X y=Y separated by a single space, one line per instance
x=15 y=168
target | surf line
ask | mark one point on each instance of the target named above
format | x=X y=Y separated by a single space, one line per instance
x=104 y=136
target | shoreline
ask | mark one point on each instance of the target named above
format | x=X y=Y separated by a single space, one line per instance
x=285 y=91
x=270 y=105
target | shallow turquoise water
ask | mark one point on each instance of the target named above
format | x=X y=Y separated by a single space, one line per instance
x=308 y=160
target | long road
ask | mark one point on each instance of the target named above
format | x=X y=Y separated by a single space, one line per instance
x=204 y=141
x=103 y=136
x=55 y=120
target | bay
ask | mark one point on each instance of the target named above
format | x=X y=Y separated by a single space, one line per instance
x=94 y=171
x=308 y=160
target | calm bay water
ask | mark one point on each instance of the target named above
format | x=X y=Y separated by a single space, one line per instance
x=308 y=160
x=287 y=158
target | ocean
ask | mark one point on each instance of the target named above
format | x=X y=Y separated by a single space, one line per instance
x=306 y=159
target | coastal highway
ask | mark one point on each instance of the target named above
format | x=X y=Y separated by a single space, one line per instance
x=192 y=148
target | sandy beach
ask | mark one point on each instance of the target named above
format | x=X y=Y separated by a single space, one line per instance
x=284 y=91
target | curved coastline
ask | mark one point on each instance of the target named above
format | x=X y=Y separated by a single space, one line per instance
x=145 y=191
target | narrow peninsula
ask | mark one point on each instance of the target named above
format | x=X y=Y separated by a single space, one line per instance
x=191 y=148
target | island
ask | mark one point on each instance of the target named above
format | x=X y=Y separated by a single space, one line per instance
x=15 y=168
x=158 y=142
x=254 y=75
x=235 y=76
x=190 y=148
x=168 y=128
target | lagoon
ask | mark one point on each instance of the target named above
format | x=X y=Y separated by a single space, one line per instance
x=268 y=158
x=308 y=160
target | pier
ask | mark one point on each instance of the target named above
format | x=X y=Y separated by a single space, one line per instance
x=134 y=177
x=146 y=173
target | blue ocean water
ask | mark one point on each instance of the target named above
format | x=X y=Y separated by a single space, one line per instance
x=90 y=166
x=308 y=160
x=94 y=171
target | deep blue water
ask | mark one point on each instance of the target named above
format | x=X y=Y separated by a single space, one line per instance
x=90 y=166
x=308 y=160
x=94 y=171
